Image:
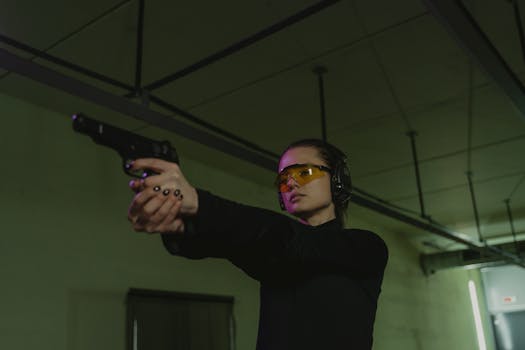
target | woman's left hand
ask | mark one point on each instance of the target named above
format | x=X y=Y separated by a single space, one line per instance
x=161 y=201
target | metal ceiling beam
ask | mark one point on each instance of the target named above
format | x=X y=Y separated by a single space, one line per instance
x=122 y=105
x=243 y=43
x=210 y=127
x=63 y=63
x=457 y=19
x=133 y=92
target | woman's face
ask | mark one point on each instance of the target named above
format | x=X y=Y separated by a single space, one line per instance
x=313 y=199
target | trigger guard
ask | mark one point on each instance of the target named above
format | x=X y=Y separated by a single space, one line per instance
x=139 y=173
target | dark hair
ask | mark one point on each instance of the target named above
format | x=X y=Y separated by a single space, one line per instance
x=341 y=184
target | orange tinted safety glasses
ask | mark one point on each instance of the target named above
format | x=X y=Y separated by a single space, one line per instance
x=301 y=173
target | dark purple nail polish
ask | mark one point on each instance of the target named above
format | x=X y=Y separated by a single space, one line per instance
x=129 y=164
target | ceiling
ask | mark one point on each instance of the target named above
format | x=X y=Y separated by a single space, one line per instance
x=391 y=68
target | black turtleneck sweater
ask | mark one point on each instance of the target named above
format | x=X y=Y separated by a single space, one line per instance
x=319 y=284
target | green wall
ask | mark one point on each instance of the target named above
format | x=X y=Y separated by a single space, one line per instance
x=418 y=312
x=68 y=254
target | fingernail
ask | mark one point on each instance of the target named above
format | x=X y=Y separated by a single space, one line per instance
x=132 y=183
x=166 y=192
x=156 y=188
x=129 y=164
x=177 y=192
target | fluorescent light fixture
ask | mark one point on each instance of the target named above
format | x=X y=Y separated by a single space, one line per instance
x=477 y=317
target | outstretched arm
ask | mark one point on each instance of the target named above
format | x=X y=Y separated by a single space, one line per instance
x=262 y=242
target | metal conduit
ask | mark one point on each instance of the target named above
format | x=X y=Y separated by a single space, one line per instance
x=320 y=71
x=139 y=49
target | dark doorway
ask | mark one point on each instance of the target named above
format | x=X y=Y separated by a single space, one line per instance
x=178 y=321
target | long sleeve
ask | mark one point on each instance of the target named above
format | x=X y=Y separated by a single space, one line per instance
x=319 y=284
x=269 y=245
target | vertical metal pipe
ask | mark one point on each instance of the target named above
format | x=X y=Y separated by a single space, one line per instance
x=320 y=71
x=470 y=113
x=412 y=134
x=474 y=206
x=138 y=61
x=520 y=27
x=512 y=229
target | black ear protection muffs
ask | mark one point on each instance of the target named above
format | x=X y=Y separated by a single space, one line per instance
x=341 y=182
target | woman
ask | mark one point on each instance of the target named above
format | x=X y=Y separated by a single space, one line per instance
x=319 y=281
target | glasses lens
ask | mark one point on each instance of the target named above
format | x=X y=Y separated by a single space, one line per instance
x=301 y=173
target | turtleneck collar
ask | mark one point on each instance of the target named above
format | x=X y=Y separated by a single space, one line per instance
x=333 y=224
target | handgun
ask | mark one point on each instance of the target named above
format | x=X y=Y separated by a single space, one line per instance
x=129 y=145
